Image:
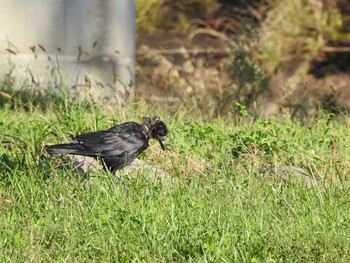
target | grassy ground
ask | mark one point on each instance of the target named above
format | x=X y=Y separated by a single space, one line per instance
x=220 y=201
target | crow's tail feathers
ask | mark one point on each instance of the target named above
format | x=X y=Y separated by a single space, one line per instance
x=70 y=148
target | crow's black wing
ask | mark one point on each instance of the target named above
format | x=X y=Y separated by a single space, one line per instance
x=112 y=143
x=121 y=140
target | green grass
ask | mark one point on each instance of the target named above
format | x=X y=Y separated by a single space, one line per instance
x=148 y=14
x=220 y=201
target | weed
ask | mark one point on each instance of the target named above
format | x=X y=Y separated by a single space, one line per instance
x=226 y=210
x=148 y=14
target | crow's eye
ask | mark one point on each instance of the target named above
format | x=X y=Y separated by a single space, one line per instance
x=162 y=133
x=160 y=129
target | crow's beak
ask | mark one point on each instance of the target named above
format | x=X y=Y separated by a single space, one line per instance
x=161 y=141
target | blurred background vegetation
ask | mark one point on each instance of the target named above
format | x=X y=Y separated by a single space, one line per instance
x=235 y=57
x=248 y=57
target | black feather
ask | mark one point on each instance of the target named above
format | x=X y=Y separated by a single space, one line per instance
x=119 y=146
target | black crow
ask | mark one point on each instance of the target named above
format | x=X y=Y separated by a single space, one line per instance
x=117 y=147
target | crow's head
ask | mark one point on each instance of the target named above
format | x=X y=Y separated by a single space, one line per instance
x=156 y=129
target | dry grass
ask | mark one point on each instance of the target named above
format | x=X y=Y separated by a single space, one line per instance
x=296 y=30
x=148 y=13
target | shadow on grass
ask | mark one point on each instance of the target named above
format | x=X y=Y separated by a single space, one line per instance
x=6 y=163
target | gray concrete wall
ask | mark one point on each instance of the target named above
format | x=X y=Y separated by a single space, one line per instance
x=94 y=42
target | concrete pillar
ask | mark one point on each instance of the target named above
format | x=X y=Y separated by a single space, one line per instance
x=94 y=42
